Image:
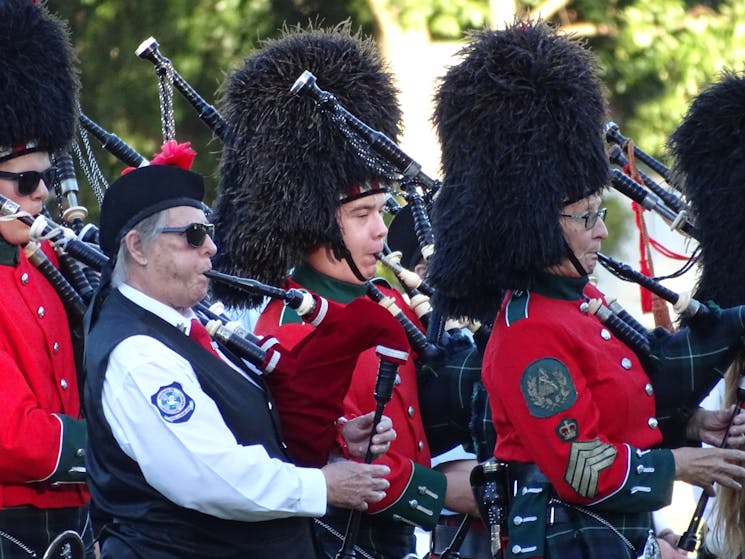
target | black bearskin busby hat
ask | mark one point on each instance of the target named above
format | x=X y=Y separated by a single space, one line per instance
x=38 y=83
x=708 y=148
x=520 y=122
x=287 y=166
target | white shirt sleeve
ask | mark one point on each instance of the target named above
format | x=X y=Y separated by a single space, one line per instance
x=198 y=463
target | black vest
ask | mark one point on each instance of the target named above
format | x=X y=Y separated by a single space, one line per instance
x=143 y=523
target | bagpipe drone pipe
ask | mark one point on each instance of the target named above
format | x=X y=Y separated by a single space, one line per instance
x=668 y=203
x=148 y=50
x=683 y=366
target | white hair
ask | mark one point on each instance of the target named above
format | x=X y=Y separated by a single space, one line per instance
x=147 y=230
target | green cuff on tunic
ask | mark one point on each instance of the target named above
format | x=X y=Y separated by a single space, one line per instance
x=422 y=499
x=71 y=462
x=649 y=485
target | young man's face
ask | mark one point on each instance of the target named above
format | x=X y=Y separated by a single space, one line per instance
x=16 y=232
x=363 y=231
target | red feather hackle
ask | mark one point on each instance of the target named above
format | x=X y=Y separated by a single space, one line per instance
x=172 y=153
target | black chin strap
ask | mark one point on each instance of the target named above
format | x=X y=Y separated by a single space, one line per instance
x=574 y=260
x=346 y=255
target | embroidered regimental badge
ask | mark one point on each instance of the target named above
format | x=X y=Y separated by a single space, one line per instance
x=174 y=405
x=586 y=460
x=547 y=387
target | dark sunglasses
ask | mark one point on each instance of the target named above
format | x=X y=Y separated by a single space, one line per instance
x=28 y=181
x=590 y=218
x=195 y=233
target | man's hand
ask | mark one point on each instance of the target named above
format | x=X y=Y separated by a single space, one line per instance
x=352 y=485
x=706 y=466
x=356 y=433
x=709 y=426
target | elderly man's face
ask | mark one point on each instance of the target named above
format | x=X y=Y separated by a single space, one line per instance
x=585 y=243
x=175 y=269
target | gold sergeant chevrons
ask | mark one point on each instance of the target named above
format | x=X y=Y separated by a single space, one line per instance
x=586 y=460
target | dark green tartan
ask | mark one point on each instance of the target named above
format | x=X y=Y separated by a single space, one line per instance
x=36 y=528
x=448 y=397
x=577 y=535
x=686 y=365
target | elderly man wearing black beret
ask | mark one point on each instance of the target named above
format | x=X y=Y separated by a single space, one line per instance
x=186 y=458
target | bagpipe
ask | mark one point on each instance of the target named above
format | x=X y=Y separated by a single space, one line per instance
x=148 y=50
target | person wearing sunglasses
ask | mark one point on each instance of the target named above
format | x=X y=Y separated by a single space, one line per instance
x=186 y=458
x=580 y=415
x=42 y=474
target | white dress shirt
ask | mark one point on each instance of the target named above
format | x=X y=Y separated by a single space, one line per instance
x=196 y=463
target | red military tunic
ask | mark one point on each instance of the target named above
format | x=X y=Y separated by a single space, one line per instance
x=41 y=434
x=410 y=446
x=570 y=397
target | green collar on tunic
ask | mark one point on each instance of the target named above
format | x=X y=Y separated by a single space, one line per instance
x=326 y=286
x=559 y=287
x=8 y=253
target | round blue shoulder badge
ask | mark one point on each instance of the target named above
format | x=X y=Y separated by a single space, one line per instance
x=174 y=405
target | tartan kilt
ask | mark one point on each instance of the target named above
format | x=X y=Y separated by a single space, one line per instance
x=577 y=534
x=24 y=530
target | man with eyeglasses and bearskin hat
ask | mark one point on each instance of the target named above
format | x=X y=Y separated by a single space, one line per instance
x=521 y=122
x=42 y=475
x=296 y=198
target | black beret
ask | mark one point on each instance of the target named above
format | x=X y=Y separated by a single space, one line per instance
x=142 y=193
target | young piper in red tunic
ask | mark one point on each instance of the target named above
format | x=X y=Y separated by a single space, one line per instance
x=296 y=198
